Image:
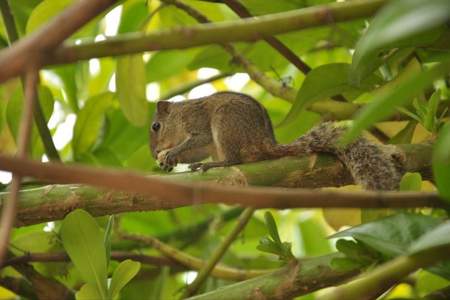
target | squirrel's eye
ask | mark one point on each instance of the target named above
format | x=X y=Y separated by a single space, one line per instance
x=156 y=126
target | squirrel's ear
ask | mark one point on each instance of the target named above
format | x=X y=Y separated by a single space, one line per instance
x=162 y=106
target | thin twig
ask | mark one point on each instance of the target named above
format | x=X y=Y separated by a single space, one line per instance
x=218 y=253
x=276 y=44
x=243 y=12
x=192 y=262
x=187 y=87
x=271 y=85
x=39 y=118
x=10 y=207
x=115 y=255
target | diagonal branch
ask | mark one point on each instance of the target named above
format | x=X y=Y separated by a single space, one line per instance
x=218 y=253
x=278 y=45
x=271 y=85
x=39 y=118
x=10 y=207
x=40 y=43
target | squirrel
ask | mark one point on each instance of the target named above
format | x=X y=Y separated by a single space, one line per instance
x=234 y=128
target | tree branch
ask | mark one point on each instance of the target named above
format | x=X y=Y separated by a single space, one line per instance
x=271 y=85
x=303 y=277
x=40 y=43
x=192 y=262
x=9 y=210
x=376 y=282
x=165 y=192
x=115 y=255
x=39 y=118
x=187 y=87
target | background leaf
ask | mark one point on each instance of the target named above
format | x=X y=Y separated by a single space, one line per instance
x=131 y=88
x=124 y=272
x=441 y=162
x=83 y=240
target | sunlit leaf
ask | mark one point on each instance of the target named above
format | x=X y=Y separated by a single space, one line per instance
x=89 y=122
x=88 y=292
x=124 y=272
x=392 y=235
x=441 y=162
x=400 y=20
x=46 y=10
x=83 y=240
x=131 y=88
x=411 y=182
x=409 y=84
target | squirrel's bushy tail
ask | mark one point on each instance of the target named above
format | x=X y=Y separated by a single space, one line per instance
x=373 y=166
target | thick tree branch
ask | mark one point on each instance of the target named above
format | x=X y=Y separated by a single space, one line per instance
x=31 y=49
x=376 y=282
x=165 y=192
x=303 y=277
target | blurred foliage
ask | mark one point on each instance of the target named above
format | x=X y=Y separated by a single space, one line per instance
x=98 y=111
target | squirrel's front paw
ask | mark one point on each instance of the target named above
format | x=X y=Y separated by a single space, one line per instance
x=203 y=167
x=167 y=160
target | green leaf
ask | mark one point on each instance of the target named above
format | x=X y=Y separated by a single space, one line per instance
x=429 y=121
x=411 y=182
x=88 y=292
x=320 y=83
x=131 y=88
x=394 y=24
x=124 y=272
x=410 y=83
x=89 y=123
x=438 y=237
x=67 y=76
x=45 y=11
x=272 y=226
x=134 y=13
x=107 y=238
x=392 y=235
x=344 y=264
x=405 y=135
x=441 y=162
x=83 y=240
x=165 y=64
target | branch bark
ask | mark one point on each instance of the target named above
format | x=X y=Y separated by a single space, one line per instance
x=33 y=48
x=133 y=192
x=9 y=210
x=303 y=277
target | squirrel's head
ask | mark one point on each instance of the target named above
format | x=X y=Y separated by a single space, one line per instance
x=164 y=131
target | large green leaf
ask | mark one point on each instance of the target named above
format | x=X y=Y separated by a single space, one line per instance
x=320 y=83
x=396 y=22
x=438 y=237
x=385 y=101
x=441 y=162
x=133 y=16
x=131 y=88
x=46 y=10
x=392 y=235
x=68 y=79
x=89 y=123
x=124 y=272
x=165 y=64
x=83 y=240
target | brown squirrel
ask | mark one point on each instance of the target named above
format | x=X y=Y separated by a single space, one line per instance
x=234 y=128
